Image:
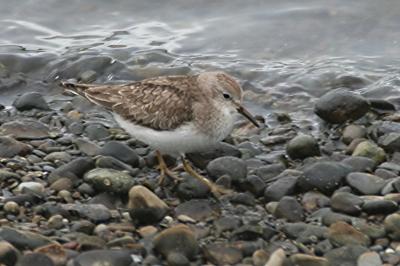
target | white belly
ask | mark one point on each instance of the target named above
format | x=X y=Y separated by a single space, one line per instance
x=181 y=140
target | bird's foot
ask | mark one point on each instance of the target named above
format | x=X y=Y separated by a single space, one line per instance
x=215 y=189
x=165 y=171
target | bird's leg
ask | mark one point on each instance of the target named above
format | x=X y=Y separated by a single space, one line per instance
x=215 y=189
x=164 y=171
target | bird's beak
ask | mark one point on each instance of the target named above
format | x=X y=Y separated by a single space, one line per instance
x=246 y=114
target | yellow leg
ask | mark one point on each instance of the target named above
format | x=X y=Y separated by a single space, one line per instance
x=164 y=171
x=215 y=189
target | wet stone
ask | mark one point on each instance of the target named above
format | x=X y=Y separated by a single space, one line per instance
x=87 y=147
x=323 y=176
x=380 y=207
x=255 y=185
x=96 y=213
x=8 y=254
x=177 y=239
x=112 y=163
x=308 y=260
x=289 y=209
x=369 y=259
x=109 y=180
x=314 y=200
x=305 y=233
x=346 y=203
x=392 y=226
x=73 y=170
x=342 y=234
x=145 y=207
x=302 y=146
x=7 y=176
x=234 y=167
x=122 y=152
x=226 y=224
x=58 y=156
x=366 y=184
x=177 y=259
x=30 y=100
x=339 y=105
x=96 y=131
x=222 y=254
x=390 y=142
x=25 y=129
x=269 y=171
x=10 y=147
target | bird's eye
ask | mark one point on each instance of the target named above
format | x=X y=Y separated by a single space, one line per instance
x=226 y=95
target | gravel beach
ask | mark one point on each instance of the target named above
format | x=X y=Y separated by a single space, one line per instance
x=78 y=191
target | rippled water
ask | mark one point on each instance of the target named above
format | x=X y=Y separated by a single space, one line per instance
x=286 y=53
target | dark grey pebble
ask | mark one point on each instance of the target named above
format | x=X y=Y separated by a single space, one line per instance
x=346 y=255
x=177 y=259
x=97 y=213
x=269 y=171
x=23 y=240
x=76 y=128
x=192 y=188
x=96 y=131
x=113 y=163
x=254 y=184
x=110 y=180
x=87 y=147
x=253 y=232
x=10 y=147
x=302 y=146
x=234 y=167
x=360 y=164
x=382 y=104
x=323 y=176
x=366 y=184
x=339 y=105
x=305 y=233
x=104 y=257
x=284 y=185
x=242 y=198
x=289 y=209
x=222 y=254
x=227 y=223
x=390 y=142
x=30 y=100
x=120 y=151
x=35 y=259
x=73 y=170
x=201 y=160
x=347 y=203
x=380 y=206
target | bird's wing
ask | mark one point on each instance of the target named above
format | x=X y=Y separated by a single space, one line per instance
x=162 y=103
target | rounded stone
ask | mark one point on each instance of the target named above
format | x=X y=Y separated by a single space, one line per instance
x=342 y=234
x=121 y=151
x=369 y=259
x=346 y=203
x=290 y=209
x=370 y=150
x=35 y=259
x=302 y=146
x=392 y=226
x=177 y=259
x=340 y=105
x=234 y=167
x=55 y=222
x=10 y=147
x=352 y=132
x=31 y=186
x=25 y=129
x=308 y=260
x=96 y=131
x=366 y=184
x=8 y=254
x=145 y=207
x=109 y=180
x=191 y=188
x=380 y=207
x=177 y=239
x=30 y=100
x=11 y=207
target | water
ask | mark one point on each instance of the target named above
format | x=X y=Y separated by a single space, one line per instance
x=286 y=53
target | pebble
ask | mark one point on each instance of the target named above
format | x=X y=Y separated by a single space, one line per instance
x=392 y=226
x=366 y=184
x=360 y=164
x=222 y=254
x=197 y=209
x=97 y=213
x=8 y=254
x=25 y=129
x=302 y=146
x=346 y=203
x=11 y=207
x=55 y=222
x=35 y=259
x=31 y=186
x=346 y=255
x=390 y=142
x=120 y=151
x=380 y=207
x=145 y=207
x=323 y=176
x=87 y=147
x=314 y=200
x=234 y=167
x=96 y=131
x=10 y=147
x=105 y=257
x=192 y=188
x=260 y=257
x=339 y=105
x=369 y=259
x=22 y=239
x=308 y=260
x=255 y=185
x=284 y=185
x=289 y=209
x=342 y=234
x=305 y=233
x=352 y=132
x=30 y=100
x=73 y=170
x=109 y=180
x=176 y=239
x=370 y=150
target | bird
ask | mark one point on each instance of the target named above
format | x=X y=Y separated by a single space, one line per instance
x=175 y=115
